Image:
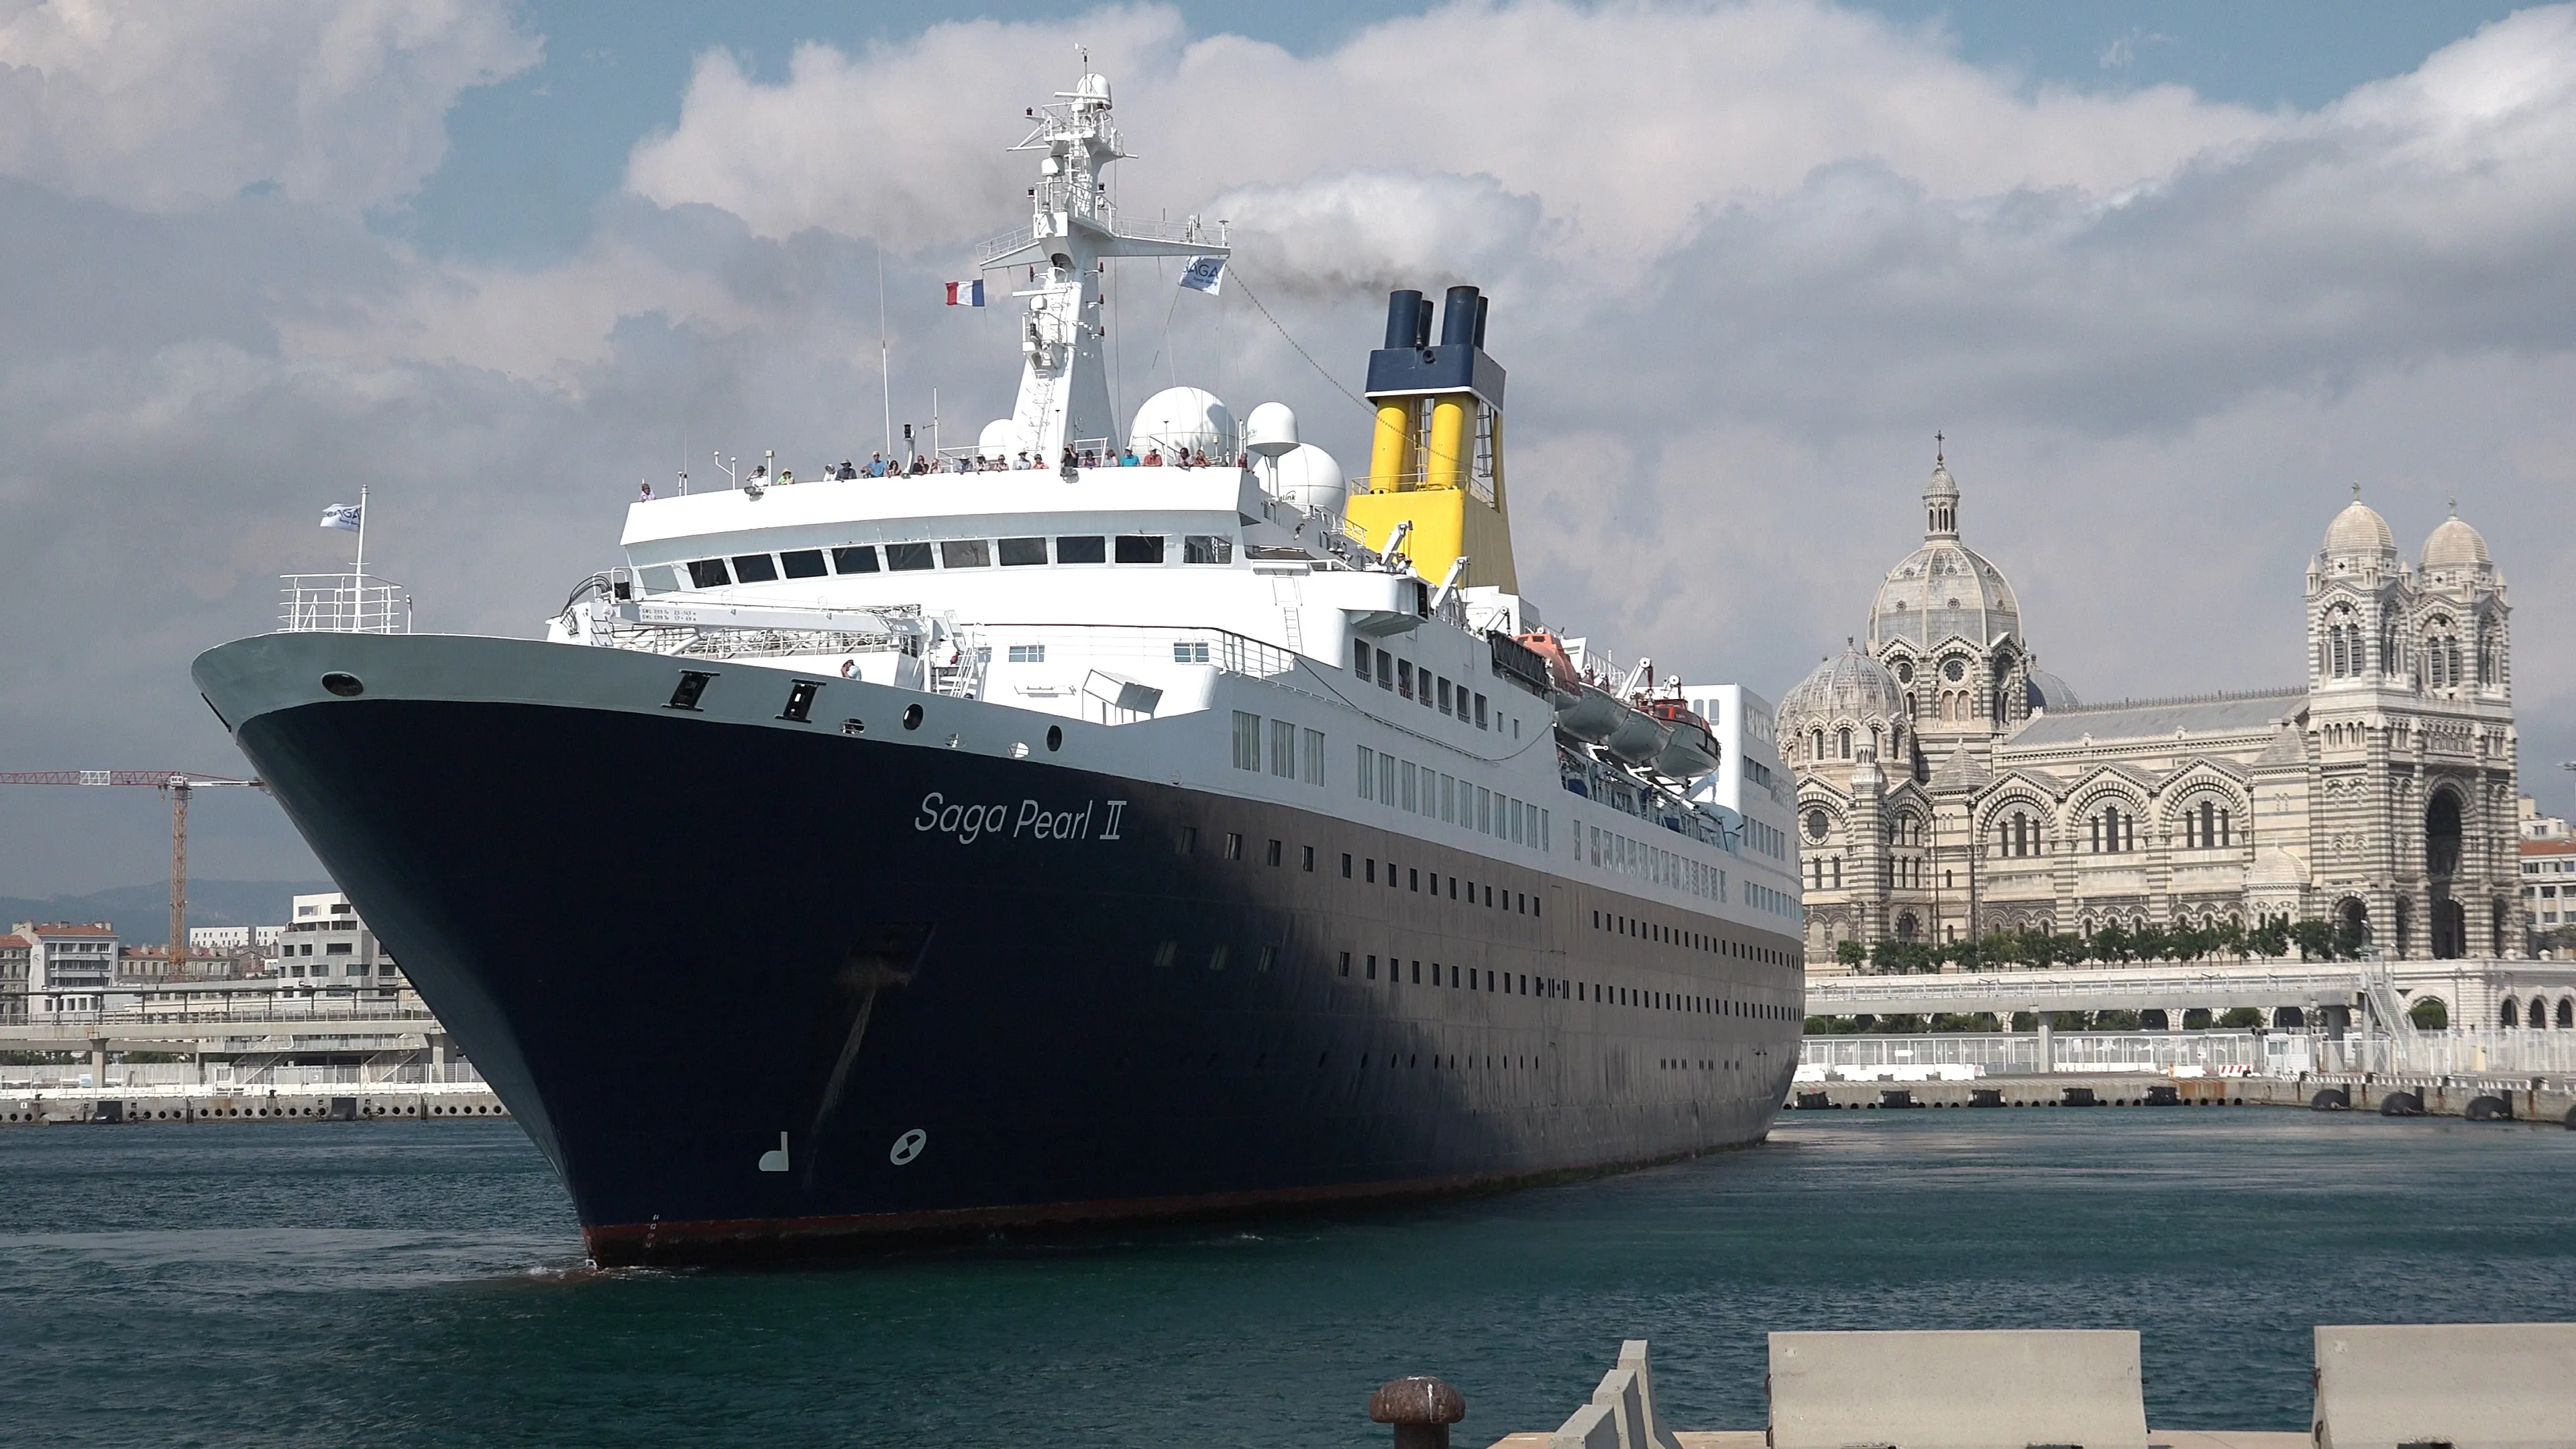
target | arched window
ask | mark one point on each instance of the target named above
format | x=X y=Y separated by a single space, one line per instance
x=2114 y=830
x=2567 y=1011
x=2490 y=654
x=1838 y=872
x=1846 y=742
x=2334 y=642
x=1817 y=746
x=1876 y=743
x=2505 y=1015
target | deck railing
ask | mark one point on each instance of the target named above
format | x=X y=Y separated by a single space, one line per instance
x=343 y=604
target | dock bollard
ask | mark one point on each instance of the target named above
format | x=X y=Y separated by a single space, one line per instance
x=1421 y=1408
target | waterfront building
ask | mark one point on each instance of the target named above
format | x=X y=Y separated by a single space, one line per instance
x=262 y=939
x=1948 y=788
x=328 y=942
x=2536 y=826
x=2549 y=889
x=14 y=953
x=70 y=964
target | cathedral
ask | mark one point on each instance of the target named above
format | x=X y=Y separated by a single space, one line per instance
x=1948 y=788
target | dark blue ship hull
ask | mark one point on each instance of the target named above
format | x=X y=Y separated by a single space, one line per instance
x=758 y=990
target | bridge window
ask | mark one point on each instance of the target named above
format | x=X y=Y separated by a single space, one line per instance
x=855 y=559
x=1081 y=549
x=907 y=557
x=753 y=568
x=708 y=573
x=1019 y=552
x=802 y=563
x=1140 y=548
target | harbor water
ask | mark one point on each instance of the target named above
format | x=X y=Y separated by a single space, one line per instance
x=421 y=1283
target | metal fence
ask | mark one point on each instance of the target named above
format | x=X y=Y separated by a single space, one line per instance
x=164 y=1077
x=2490 y=1051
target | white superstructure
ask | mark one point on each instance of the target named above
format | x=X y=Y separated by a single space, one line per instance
x=1094 y=596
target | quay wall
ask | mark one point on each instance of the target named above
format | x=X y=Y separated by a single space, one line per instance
x=112 y=1106
x=2532 y=1099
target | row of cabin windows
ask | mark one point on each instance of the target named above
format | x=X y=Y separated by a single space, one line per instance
x=1689 y=940
x=1291 y=757
x=1510 y=983
x=1401 y=678
x=1422 y=790
x=1519 y=903
x=953 y=553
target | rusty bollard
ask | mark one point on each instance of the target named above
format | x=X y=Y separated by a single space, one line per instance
x=1421 y=1408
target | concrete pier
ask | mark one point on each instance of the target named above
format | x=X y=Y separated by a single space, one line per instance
x=113 y=1106
x=2530 y=1099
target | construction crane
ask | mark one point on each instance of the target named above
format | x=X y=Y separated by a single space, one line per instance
x=178 y=785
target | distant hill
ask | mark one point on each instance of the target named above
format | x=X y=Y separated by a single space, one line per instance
x=141 y=913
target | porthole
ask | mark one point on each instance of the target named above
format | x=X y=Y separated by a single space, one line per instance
x=1055 y=737
x=347 y=686
x=912 y=716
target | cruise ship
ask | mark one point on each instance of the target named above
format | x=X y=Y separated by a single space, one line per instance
x=1092 y=823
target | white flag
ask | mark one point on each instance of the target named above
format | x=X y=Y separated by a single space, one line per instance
x=1204 y=274
x=341 y=515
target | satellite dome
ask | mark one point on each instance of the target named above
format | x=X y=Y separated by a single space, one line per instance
x=1093 y=88
x=1270 y=430
x=2360 y=529
x=2455 y=545
x=1309 y=477
x=1184 y=417
x=1853 y=687
x=998 y=438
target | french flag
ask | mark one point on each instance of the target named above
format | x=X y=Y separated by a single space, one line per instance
x=966 y=294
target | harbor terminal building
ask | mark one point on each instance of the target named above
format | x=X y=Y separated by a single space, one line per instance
x=1949 y=789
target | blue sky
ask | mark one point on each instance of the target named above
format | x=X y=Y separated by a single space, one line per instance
x=2171 y=277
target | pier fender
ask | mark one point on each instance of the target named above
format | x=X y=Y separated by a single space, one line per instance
x=2488 y=1109
x=1818 y=1101
x=1985 y=1096
x=2332 y=1099
x=2162 y=1097
x=2402 y=1104
x=2571 y=1119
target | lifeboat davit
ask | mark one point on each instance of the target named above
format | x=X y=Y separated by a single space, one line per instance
x=1638 y=738
x=1691 y=748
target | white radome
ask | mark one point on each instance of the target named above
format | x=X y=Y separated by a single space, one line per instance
x=1270 y=430
x=1184 y=417
x=1309 y=477
x=996 y=439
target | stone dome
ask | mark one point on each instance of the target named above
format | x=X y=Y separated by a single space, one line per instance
x=2360 y=529
x=1941 y=590
x=1944 y=589
x=1851 y=687
x=2047 y=691
x=2455 y=545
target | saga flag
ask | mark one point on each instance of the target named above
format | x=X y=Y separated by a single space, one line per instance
x=341 y=515
x=1204 y=274
x=966 y=294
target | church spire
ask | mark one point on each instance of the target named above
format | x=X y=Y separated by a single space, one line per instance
x=1940 y=496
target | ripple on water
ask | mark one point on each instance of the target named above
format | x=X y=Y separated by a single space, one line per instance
x=423 y=1283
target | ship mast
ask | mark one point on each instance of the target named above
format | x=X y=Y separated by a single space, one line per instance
x=1072 y=230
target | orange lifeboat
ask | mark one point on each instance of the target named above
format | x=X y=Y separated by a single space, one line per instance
x=1690 y=749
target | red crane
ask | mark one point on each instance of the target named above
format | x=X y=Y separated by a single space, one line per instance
x=177 y=784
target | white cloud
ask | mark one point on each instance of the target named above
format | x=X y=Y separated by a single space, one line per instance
x=166 y=104
x=1627 y=122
